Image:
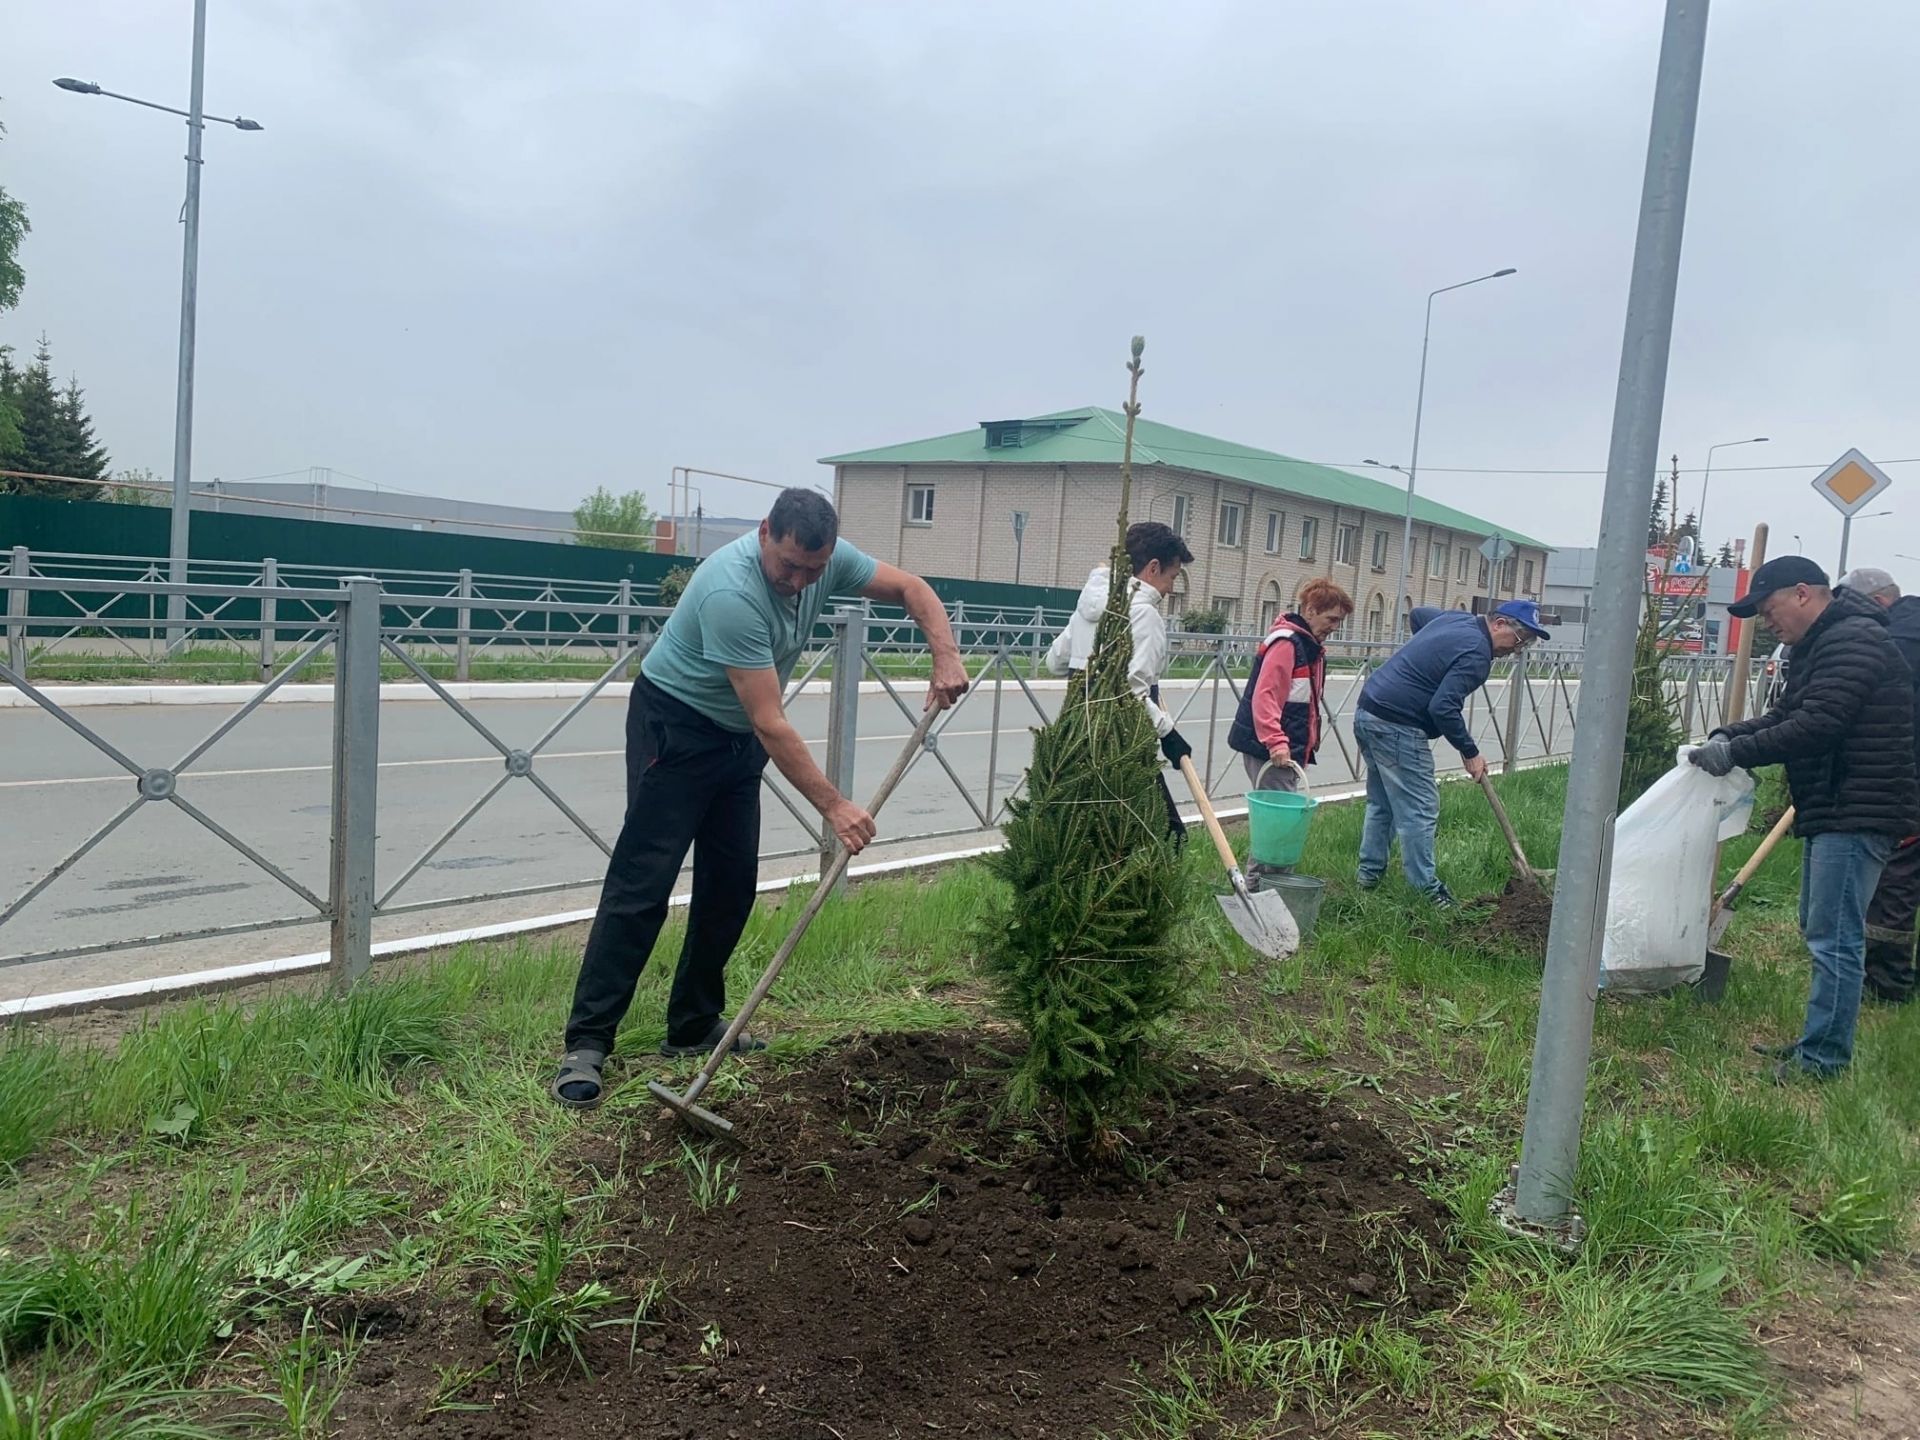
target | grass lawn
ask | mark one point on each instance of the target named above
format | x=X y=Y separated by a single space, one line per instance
x=202 y=1215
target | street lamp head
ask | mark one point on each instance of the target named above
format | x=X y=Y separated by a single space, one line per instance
x=1758 y=440
x=1510 y=270
x=78 y=87
x=240 y=122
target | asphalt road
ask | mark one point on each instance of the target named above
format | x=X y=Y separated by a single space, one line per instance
x=269 y=782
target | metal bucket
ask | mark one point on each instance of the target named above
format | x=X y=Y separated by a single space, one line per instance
x=1302 y=893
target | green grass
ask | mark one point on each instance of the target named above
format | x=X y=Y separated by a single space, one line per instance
x=235 y=1162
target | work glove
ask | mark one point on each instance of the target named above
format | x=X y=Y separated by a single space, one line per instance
x=1174 y=746
x=1715 y=757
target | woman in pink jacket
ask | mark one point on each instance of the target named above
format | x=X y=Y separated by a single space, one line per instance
x=1277 y=729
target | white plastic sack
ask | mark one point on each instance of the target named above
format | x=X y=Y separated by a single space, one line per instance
x=1662 y=885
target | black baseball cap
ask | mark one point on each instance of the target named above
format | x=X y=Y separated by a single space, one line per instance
x=1772 y=577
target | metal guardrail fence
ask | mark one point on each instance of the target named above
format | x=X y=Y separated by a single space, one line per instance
x=247 y=618
x=359 y=624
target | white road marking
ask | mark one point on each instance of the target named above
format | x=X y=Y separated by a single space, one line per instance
x=407 y=764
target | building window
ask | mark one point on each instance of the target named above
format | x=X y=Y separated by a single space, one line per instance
x=1309 y=537
x=1380 y=551
x=1483 y=572
x=1276 y=524
x=920 y=504
x=1181 y=506
x=1228 y=606
x=1376 y=617
x=1346 y=545
x=1529 y=582
x=1506 y=573
x=1231 y=518
x=1270 y=608
x=1437 y=558
x=1460 y=570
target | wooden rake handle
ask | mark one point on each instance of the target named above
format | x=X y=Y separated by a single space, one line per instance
x=908 y=754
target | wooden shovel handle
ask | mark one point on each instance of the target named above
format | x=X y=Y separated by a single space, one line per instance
x=1227 y=857
x=1506 y=825
x=1755 y=860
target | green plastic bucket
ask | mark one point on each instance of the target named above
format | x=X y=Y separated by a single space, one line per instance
x=1277 y=821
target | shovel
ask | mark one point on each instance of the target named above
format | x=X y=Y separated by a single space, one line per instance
x=1262 y=920
x=1541 y=880
x=1723 y=906
x=698 y=1116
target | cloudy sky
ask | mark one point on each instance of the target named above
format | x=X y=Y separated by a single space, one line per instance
x=506 y=255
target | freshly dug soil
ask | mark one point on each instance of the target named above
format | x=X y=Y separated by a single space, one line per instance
x=898 y=1259
x=1519 y=914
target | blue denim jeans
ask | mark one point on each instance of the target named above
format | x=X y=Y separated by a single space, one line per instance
x=1402 y=799
x=1838 y=874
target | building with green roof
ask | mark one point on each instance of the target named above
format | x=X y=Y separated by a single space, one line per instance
x=1260 y=524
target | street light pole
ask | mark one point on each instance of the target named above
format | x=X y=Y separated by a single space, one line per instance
x=1413 y=461
x=178 y=541
x=196 y=118
x=1700 y=515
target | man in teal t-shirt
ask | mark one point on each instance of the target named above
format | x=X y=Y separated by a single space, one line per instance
x=705 y=717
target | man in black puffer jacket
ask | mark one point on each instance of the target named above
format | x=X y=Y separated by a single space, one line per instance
x=1844 y=730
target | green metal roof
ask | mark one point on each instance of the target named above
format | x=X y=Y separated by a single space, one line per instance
x=1095 y=438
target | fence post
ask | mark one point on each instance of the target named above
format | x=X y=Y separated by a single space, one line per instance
x=463 y=646
x=269 y=612
x=17 y=616
x=356 y=772
x=1039 y=650
x=843 y=713
x=1515 y=678
x=623 y=626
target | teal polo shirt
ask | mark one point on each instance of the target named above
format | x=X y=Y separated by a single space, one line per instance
x=729 y=618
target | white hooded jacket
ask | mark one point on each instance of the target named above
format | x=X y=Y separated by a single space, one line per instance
x=1074 y=644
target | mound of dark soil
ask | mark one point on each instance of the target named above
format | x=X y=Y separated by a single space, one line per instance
x=895 y=1259
x=1520 y=915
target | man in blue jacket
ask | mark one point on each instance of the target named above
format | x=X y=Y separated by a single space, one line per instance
x=1415 y=698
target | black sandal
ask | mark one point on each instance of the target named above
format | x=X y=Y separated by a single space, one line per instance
x=579 y=1068
x=743 y=1044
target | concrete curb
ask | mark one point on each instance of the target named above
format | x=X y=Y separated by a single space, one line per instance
x=76 y=697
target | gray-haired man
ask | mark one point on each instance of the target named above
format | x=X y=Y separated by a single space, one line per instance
x=1896 y=899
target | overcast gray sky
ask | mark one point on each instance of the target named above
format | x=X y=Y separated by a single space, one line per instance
x=507 y=255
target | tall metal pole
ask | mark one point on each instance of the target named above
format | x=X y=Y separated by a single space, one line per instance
x=1846 y=538
x=1403 y=624
x=1700 y=515
x=1550 y=1148
x=177 y=543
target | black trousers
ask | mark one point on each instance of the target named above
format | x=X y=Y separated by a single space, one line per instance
x=1890 y=926
x=690 y=783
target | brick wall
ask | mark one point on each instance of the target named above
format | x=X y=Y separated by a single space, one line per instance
x=1070 y=528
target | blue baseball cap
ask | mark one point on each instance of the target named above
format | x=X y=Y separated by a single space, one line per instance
x=1525 y=614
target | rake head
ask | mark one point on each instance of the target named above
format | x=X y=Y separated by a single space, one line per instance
x=697 y=1116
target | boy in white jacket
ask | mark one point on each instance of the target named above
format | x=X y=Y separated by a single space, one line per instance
x=1156 y=554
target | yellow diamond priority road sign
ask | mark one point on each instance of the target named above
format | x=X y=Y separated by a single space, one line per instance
x=1850 y=482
